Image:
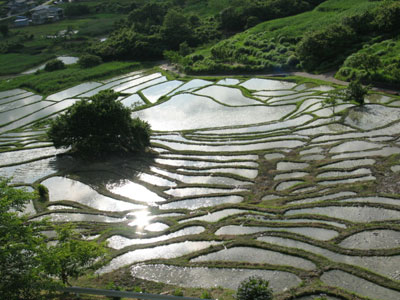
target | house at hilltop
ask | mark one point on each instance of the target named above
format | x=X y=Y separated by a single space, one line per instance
x=46 y=14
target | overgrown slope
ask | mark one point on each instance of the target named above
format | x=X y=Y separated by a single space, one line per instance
x=317 y=40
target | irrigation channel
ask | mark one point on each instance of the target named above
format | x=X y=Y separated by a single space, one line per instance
x=252 y=176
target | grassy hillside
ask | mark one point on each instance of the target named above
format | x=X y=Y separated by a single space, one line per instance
x=274 y=45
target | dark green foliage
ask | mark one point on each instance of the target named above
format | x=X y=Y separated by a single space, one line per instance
x=178 y=292
x=325 y=46
x=21 y=272
x=71 y=256
x=175 y=30
x=254 y=288
x=247 y=13
x=147 y=15
x=88 y=60
x=11 y=46
x=98 y=126
x=205 y=295
x=129 y=44
x=387 y=17
x=27 y=263
x=43 y=193
x=184 y=49
x=54 y=65
x=75 y=10
x=4 y=30
x=363 y=61
x=355 y=91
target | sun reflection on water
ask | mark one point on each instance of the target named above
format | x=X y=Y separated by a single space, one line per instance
x=142 y=219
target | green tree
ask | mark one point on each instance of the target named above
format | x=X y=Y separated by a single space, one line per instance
x=21 y=271
x=27 y=263
x=364 y=61
x=355 y=91
x=331 y=102
x=176 y=29
x=254 y=288
x=4 y=30
x=387 y=17
x=325 y=46
x=71 y=256
x=54 y=65
x=98 y=126
x=88 y=61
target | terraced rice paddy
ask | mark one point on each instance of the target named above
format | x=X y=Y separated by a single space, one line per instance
x=263 y=182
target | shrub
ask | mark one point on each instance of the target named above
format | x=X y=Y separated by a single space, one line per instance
x=292 y=61
x=98 y=126
x=43 y=193
x=254 y=288
x=324 y=46
x=178 y=292
x=89 y=60
x=54 y=65
x=355 y=91
x=205 y=295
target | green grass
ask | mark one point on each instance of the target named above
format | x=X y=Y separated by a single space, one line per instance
x=46 y=83
x=40 y=48
x=251 y=47
x=16 y=62
x=388 y=52
x=328 y=13
x=201 y=9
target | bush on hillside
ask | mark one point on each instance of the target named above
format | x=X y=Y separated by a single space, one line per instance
x=325 y=46
x=355 y=91
x=99 y=125
x=89 y=60
x=254 y=288
x=54 y=65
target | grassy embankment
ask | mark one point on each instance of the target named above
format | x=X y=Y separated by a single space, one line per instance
x=271 y=46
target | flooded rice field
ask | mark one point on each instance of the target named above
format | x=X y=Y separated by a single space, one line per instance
x=245 y=177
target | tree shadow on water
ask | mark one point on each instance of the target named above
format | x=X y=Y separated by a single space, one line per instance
x=98 y=174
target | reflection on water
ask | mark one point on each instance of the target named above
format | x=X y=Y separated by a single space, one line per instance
x=61 y=188
x=313 y=232
x=192 y=112
x=255 y=255
x=358 y=285
x=228 y=96
x=169 y=251
x=119 y=242
x=353 y=214
x=132 y=190
x=154 y=93
x=142 y=218
x=212 y=277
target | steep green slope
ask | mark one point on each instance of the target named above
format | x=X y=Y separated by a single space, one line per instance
x=335 y=28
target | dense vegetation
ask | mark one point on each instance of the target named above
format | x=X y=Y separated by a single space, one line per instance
x=98 y=126
x=254 y=288
x=358 y=37
x=153 y=27
x=319 y=40
x=28 y=263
